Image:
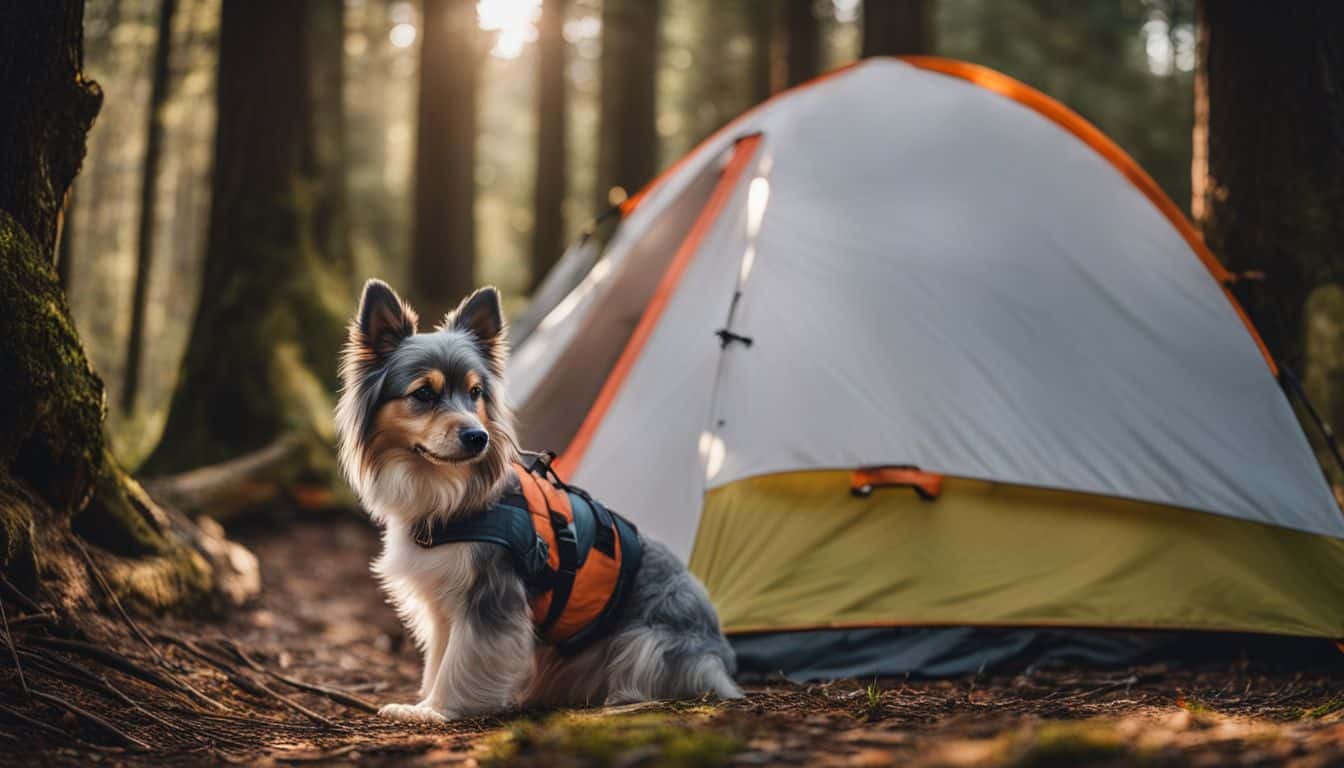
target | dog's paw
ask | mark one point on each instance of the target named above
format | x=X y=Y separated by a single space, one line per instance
x=414 y=713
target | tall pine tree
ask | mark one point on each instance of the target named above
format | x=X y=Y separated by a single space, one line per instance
x=276 y=290
x=443 y=240
x=627 y=136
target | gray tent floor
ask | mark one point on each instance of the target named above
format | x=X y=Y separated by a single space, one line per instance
x=818 y=655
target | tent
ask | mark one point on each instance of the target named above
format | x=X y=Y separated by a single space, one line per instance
x=914 y=345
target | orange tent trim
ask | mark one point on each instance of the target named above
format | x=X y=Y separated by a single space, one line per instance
x=984 y=77
x=743 y=152
x=1092 y=136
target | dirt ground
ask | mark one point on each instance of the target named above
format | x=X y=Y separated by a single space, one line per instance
x=294 y=680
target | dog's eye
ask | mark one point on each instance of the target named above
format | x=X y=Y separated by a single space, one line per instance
x=425 y=394
x=476 y=392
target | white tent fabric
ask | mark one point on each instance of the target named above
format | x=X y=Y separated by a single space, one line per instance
x=936 y=275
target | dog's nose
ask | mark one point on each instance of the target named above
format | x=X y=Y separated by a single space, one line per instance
x=474 y=440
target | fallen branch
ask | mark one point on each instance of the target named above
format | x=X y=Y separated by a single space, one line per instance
x=230 y=489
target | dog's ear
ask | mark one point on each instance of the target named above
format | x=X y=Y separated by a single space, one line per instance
x=383 y=321
x=479 y=314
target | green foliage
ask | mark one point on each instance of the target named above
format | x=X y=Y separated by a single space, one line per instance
x=873 y=700
x=1323 y=710
x=1125 y=66
x=599 y=740
x=1194 y=706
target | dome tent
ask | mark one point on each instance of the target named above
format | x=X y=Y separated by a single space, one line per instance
x=913 y=345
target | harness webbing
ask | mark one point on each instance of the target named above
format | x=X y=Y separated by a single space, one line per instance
x=567 y=548
x=507 y=524
x=579 y=528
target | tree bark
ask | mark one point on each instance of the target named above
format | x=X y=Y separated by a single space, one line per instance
x=1268 y=175
x=65 y=248
x=803 y=52
x=47 y=110
x=762 y=22
x=144 y=255
x=261 y=362
x=443 y=244
x=56 y=473
x=548 y=229
x=627 y=153
x=897 y=27
x=324 y=158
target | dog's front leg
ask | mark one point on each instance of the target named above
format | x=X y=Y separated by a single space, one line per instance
x=488 y=661
x=488 y=657
x=433 y=655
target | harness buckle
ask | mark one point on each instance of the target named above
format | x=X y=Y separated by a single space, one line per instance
x=423 y=536
x=541 y=463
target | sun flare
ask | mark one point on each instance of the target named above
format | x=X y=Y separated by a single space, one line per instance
x=513 y=20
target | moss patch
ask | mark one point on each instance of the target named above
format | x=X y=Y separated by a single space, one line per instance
x=670 y=739
x=1070 y=744
x=51 y=401
x=54 y=462
x=1323 y=710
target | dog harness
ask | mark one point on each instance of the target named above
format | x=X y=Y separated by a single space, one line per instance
x=576 y=557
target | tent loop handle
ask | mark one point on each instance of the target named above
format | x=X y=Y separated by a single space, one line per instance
x=927 y=485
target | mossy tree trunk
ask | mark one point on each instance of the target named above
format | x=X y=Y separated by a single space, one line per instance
x=1269 y=175
x=627 y=150
x=548 y=196
x=56 y=473
x=897 y=27
x=261 y=362
x=443 y=242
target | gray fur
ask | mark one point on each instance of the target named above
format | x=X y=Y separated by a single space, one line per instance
x=666 y=644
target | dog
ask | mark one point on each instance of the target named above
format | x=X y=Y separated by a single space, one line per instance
x=426 y=434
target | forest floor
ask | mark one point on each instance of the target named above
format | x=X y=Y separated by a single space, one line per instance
x=231 y=693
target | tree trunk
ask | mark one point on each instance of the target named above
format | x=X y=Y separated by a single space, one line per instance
x=897 y=27
x=261 y=362
x=144 y=256
x=548 y=229
x=443 y=245
x=803 y=52
x=65 y=248
x=761 y=24
x=1269 y=174
x=627 y=153
x=46 y=111
x=324 y=158
x=56 y=474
